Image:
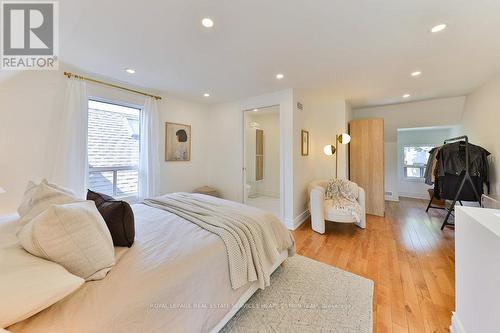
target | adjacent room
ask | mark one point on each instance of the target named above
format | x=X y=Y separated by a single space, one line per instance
x=249 y=166
x=262 y=159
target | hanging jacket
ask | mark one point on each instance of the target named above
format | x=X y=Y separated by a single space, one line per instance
x=431 y=166
x=451 y=160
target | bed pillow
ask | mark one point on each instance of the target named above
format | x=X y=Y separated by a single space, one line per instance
x=118 y=216
x=29 y=284
x=38 y=198
x=73 y=235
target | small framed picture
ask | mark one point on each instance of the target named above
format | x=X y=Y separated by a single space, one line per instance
x=177 y=142
x=305 y=143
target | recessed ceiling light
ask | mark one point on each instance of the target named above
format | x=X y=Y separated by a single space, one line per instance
x=416 y=73
x=207 y=22
x=280 y=76
x=206 y=95
x=406 y=95
x=130 y=71
x=255 y=110
x=438 y=28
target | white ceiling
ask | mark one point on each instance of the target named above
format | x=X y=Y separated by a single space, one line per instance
x=363 y=50
x=274 y=109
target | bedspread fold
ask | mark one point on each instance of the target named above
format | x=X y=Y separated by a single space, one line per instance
x=253 y=238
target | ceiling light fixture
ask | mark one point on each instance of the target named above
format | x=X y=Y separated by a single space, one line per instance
x=207 y=22
x=130 y=71
x=438 y=28
x=416 y=73
x=406 y=95
x=280 y=76
x=255 y=110
x=206 y=95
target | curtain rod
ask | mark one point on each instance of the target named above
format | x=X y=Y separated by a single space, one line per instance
x=69 y=75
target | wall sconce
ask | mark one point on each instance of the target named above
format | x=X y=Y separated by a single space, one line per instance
x=330 y=150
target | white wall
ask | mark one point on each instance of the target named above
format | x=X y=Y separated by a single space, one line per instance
x=226 y=137
x=481 y=123
x=431 y=113
x=429 y=136
x=31 y=106
x=185 y=176
x=391 y=171
x=436 y=112
x=324 y=116
x=269 y=124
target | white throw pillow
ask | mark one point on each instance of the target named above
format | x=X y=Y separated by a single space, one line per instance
x=38 y=198
x=29 y=284
x=73 y=235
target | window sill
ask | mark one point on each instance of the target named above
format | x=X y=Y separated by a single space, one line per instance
x=130 y=200
x=413 y=180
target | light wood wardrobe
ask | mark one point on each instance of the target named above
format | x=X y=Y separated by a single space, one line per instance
x=366 y=161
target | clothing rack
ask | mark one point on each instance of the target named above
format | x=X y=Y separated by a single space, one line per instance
x=466 y=177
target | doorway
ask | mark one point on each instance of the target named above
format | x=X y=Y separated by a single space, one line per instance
x=262 y=169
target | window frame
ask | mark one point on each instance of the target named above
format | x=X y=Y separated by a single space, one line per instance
x=132 y=198
x=403 y=166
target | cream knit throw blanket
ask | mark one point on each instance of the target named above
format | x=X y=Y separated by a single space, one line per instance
x=344 y=195
x=254 y=239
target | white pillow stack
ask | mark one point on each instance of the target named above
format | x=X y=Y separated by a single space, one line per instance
x=73 y=235
x=28 y=284
x=66 y=230
x=38 y=198
x=54 y=225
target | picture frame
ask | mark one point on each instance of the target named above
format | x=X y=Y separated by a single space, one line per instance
x=177 y=142
x=304 y=135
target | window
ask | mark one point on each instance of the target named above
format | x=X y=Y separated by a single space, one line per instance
x=113 y=149
x=415 y=160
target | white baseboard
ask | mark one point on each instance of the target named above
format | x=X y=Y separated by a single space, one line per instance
x=391 y=198
x=271 y=194
x=414 y=195
x=456 y=324
x=296 y=222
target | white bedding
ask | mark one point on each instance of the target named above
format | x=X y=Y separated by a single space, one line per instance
x=175 y=278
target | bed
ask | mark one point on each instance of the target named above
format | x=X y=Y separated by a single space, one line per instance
x=175 y=278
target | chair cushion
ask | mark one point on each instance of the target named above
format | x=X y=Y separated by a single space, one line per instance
x=337 y=215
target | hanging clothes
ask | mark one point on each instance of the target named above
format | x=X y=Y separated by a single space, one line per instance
x=454 y=178
x=452 y=160
x=448 y=166
x=448 y=186
x=430 y=170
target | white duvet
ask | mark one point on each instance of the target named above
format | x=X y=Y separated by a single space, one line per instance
x=175 y=278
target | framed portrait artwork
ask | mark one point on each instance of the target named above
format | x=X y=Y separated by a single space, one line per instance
x=305 y=143
x=177 y=142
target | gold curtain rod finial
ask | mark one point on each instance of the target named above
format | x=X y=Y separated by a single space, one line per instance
x=69 y=75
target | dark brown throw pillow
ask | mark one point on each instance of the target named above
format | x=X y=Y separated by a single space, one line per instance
x=118 y=216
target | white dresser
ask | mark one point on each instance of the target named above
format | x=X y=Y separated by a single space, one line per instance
x=477 y=271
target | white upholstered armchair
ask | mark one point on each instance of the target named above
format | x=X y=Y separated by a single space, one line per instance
x=322 y=209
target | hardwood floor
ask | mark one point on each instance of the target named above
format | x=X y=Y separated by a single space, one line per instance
x=407 y=255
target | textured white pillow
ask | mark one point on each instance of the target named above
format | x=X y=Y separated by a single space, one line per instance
x=38 y=198
x=29 y=284
x=73 y=235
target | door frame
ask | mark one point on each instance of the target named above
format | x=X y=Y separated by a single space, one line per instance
x=282 y=162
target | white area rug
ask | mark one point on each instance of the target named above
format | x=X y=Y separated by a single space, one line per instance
x=308 y=296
